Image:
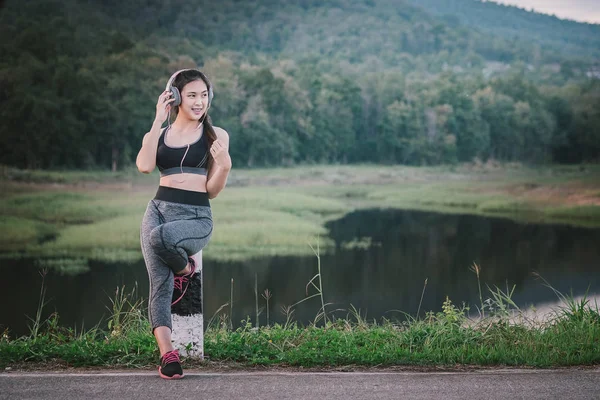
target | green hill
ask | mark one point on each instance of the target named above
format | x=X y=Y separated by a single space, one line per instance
x=563 y=36
x=340 y=81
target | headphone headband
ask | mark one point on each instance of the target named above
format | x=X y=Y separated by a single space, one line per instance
x=172 y=78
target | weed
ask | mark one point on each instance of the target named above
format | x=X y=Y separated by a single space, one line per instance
x=267 y=296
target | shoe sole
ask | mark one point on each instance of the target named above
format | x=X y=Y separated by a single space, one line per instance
x=176 y=376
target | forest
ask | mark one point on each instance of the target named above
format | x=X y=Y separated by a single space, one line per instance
x=305 y=82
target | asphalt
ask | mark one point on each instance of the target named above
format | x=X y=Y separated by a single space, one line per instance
x=487 y=384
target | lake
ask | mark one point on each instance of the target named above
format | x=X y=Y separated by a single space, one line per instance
x=379 y=265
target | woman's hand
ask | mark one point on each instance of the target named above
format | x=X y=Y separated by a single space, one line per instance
x=220 y=155
x=163 y=106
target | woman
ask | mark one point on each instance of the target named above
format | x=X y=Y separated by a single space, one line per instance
x=194 y=163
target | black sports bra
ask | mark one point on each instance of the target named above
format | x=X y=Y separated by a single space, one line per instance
x=192 y=158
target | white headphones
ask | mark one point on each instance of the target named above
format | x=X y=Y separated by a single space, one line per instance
x=175 y=91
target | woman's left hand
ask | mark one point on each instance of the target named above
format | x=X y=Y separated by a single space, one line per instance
x=220 y=154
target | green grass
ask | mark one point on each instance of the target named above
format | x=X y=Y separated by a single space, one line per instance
x=10 y=174
x=268 y=221
x=445 y=338
x=584 y=213
x=264 y=212
x=55 y=207
x=19 y=230
x=436 y=341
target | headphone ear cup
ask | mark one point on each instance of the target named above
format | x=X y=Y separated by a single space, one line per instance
x=176 y=96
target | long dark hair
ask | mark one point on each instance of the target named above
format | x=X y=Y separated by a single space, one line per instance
x=182 y=79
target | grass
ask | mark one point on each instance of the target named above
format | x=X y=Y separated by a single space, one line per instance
x=438 y=340
x=66 y=218
x=69 y=177
x=268 y=221
x=126 y=342
x=52 y=215
x=499 y=334
x=24 y=230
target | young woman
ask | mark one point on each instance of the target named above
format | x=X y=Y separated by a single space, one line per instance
x=193 y=159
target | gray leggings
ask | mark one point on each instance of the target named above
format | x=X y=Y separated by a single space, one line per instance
x=170 y=233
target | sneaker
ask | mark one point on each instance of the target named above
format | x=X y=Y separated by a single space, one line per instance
x=170 y=365
x=181 y=282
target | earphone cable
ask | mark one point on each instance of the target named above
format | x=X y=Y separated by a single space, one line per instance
x=181 y=164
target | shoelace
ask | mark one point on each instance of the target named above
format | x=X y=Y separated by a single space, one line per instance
x=170 y=357
x=180 y=280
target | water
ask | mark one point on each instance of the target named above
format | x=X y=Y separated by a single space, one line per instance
x=405 y=248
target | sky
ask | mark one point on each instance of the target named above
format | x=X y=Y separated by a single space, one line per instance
x=578 y=10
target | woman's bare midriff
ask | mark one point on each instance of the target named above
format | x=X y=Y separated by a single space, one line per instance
x=193 y=182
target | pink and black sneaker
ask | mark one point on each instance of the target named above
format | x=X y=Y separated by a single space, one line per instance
x=181 y=282
x=170 y=365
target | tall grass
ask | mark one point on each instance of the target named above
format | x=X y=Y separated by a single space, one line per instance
x=37 y=322
x=500 y=334
x=127 y=342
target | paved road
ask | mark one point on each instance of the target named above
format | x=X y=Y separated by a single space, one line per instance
x=489 y=384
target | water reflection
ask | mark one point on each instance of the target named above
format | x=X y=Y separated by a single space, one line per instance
x=406 y=247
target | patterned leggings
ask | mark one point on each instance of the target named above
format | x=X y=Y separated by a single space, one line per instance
x=170 y=233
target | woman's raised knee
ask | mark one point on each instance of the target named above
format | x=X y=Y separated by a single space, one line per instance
x=157 y=241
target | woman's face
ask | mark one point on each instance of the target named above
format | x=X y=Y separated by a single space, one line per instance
x=194 y=100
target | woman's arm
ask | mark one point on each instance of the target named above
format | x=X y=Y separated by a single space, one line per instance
x=146 y=158
x=220 y=164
